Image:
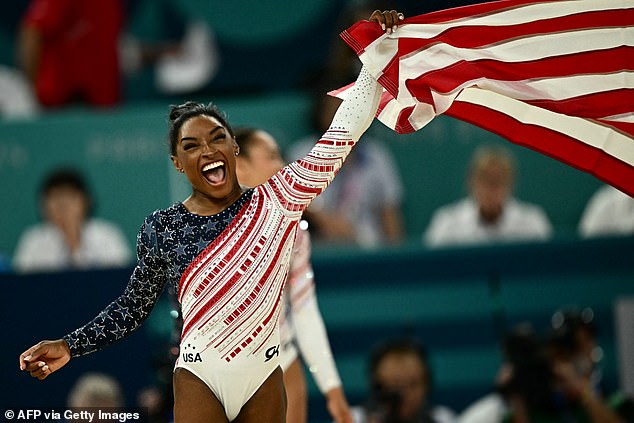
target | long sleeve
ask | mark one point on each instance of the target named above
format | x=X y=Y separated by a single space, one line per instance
x=314 y=345
x=356 y=113
x=125 y=314
x=301 y=181
x=308 y=326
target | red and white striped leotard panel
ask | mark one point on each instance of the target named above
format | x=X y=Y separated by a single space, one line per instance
x=230 y=294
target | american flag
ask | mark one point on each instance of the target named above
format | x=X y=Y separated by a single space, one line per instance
x=553 y=76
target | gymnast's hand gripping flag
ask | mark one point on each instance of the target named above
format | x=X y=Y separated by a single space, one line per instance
x=553 y=76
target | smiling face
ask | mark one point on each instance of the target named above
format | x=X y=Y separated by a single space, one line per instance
x=205 y=151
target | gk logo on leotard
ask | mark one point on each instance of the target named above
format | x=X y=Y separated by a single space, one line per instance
x=272 y=352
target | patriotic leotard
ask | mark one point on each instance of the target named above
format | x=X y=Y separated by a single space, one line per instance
x=229 y=269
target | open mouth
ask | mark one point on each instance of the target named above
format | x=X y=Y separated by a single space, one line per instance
x=214 y=172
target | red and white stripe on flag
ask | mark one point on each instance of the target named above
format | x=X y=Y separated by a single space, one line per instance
x=554 y=76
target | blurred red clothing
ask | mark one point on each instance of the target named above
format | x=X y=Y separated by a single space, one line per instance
x=79 y=50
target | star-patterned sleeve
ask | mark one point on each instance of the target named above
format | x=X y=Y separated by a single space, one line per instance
x=126 y=313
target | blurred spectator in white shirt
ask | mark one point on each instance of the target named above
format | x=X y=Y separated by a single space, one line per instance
x=69 y=238
x=609 y=212
x=489 y=213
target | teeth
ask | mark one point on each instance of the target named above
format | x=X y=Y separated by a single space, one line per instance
x=211 y=166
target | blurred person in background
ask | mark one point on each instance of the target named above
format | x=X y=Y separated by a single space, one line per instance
x=573 y=356
x=94 y=392
x=400 y=386
x=68 y=238
x=575 y=330
x=17 y=100
x=550 y=379
x=68 y=51
x=576 y=351
x=490 y=213
x=98 y=390
x=609 y=212
x=362 y=206
x=520 y=366
x=180 y=50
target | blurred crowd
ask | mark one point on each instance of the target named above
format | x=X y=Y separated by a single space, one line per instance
x=69 y=53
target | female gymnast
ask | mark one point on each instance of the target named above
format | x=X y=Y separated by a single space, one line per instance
x=228 y=250
x=302 y=329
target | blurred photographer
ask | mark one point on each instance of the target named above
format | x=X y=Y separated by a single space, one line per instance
x=401 y=382
x=521 y=382
x=525 y=379
x=550 y=379
x=574 y=355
